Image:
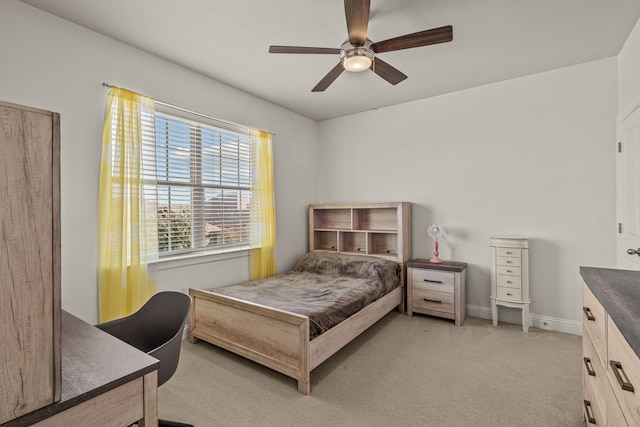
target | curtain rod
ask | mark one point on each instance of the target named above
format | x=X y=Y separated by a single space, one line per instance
x=185 y=110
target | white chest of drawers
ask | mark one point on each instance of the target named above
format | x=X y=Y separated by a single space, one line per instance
x=510 y=276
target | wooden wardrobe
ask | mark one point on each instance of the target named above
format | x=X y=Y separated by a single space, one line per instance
x=29 y=260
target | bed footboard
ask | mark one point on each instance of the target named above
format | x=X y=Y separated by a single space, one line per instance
x=275 y=338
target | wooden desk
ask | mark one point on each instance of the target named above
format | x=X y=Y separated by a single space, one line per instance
x=105 y=382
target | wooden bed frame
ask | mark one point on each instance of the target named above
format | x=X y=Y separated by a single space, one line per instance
x=275 y=338
x=279 y=339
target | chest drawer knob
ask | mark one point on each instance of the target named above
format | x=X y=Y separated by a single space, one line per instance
x=619 y=373
x=587 y=312
x=589 y=366
x=432 y=281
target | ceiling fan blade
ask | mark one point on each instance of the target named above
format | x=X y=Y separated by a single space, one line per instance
x=357 y=13
x=421 y=38
x=302 y=49
x=387 y=72
x=329 y=78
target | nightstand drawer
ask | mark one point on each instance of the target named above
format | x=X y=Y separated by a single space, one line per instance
x=508 y=261
x=509 y=281
x=508 y=270
x=510 y=252
x=442 y=281
x=509 y=293
x=432 y=300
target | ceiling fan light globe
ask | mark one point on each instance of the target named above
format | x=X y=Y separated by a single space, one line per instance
x=356 y=63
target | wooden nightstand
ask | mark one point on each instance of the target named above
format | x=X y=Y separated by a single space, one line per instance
x=436 y=289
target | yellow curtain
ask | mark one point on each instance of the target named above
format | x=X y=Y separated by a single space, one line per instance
x=263 y=210
x=127 y=208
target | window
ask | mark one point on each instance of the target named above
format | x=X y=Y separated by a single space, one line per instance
x=203 y=185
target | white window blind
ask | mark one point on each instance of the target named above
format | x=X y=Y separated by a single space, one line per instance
x=203 y=176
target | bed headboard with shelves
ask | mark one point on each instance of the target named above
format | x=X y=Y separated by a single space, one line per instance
x=374 y=229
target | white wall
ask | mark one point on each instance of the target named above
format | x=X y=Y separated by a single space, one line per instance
x=629 y=72
x=52 y=64
x=532 y=156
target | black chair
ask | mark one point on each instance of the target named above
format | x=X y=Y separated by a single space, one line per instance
x=157 y=330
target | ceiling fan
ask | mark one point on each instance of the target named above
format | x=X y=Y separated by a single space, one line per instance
x=358 y=53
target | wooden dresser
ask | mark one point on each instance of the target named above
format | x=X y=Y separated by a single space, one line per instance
x=611 y=347
x=29 y=260
x=437 y=289
x=510 y=276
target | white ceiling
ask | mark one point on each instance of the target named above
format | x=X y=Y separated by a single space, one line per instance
x=228 y=40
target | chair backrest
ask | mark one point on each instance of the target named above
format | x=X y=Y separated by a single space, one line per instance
x=155 y=329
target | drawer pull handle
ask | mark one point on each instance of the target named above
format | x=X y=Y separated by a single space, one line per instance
x=509 y=271
x=589 y=412
x=619 y=373
x=509 y=262
x=335 y=248
x=508 y=294
x=587 y=312
x=509 y=253
x=589 y=366
x=361 y=250
x=432 y=281
x=509 y=281
x=432 y=300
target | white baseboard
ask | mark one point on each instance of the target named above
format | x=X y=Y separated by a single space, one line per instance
x=514 y=316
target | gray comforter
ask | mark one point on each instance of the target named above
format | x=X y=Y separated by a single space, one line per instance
x=327 y=287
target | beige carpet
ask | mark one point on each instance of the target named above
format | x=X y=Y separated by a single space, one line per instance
x=404 y=371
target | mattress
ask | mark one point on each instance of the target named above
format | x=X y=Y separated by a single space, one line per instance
x=326 y=287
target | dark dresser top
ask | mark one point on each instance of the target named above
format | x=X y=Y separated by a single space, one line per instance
x=619 y=293
x=445 y=265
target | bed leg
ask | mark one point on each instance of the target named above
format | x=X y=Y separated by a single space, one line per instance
x=304 y=387
x=402 y=307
